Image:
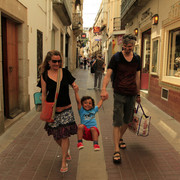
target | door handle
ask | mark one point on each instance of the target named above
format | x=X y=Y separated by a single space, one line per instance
x=10 y=68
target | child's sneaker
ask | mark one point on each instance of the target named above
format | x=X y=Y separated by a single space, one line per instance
x=96 y=147
x=80 y=145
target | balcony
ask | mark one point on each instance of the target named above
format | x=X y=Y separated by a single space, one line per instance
x=117 y=24
x=63 y=9
x=129 y=9
x=77 y=23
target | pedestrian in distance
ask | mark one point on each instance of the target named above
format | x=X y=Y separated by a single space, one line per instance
x=88 y=128
x=85 y=62
x=125 y=68
x=91 y=62
x=64 y=124
x=99 y=70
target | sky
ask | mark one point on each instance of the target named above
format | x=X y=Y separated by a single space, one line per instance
x=90 y=10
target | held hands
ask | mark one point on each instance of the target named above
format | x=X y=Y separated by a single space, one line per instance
x=75 y=87
x=104 y=94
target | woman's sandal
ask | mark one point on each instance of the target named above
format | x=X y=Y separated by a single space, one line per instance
x=68 y=157
x=117 y=158
x=122 y=145
x=63 y=170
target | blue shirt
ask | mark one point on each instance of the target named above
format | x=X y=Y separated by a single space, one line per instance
x=88 y=117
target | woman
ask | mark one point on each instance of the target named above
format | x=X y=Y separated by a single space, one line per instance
x=64 y=124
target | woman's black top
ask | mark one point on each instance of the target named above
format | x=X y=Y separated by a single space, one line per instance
x=63 y=98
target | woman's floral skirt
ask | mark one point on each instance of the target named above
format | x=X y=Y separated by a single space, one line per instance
x=64 y=125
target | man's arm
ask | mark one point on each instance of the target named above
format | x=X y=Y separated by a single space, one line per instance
x=107 y=77
x=138 y=84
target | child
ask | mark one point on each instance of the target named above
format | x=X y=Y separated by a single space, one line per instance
x=88 y=128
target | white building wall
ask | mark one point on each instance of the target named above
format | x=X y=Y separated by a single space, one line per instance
x=40 y=17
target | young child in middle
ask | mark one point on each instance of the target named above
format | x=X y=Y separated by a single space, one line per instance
x=88 y=128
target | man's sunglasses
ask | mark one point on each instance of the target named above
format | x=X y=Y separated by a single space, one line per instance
x=55 y=61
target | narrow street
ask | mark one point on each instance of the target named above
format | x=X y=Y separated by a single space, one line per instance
x=27 y=153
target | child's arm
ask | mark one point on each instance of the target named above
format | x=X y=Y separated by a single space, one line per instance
x=100 y=104
x=78 y=100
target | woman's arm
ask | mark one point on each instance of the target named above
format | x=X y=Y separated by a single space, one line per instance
x=78 y=100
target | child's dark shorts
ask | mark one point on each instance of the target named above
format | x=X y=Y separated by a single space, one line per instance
x=87 y=133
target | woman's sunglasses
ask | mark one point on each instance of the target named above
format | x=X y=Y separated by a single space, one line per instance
x=55 y=61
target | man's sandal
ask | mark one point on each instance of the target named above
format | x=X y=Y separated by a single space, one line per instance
x=122 y=145
x=117 y=158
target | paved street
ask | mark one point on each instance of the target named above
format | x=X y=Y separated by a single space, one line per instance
x=27 y=153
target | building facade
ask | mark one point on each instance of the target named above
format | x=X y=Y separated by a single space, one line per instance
x=157 y=27
x=29 y=29
x=109 y=38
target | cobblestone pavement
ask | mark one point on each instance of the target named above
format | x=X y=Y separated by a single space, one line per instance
x=27 y=153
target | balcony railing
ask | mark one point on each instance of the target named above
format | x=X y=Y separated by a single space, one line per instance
x=117 y=24
x=76 y=20
x=129 y=8
x=77 y=23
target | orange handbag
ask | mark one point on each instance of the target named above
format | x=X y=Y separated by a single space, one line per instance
x=49 y=108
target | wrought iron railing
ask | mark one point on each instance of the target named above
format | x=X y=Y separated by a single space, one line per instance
x=117 y=24
x=77 y=20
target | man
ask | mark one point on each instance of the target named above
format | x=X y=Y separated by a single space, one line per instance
x=99 y=63
x=125 y=66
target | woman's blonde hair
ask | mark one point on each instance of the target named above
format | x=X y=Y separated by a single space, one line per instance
x=45 y=64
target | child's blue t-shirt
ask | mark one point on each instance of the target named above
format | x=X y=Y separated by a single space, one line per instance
x=88 y=117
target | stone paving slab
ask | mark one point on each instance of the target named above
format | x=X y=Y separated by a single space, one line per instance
x=27 y=153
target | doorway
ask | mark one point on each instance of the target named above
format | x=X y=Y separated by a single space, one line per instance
x=10 y=67
x=146 y=49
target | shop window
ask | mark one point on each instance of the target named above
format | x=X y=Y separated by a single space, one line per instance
x=173 y=66
x=155 y=50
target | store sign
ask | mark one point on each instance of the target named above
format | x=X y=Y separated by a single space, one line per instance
x=120 y=39
x=96 y=29
x=83 y=36
x=98 y=38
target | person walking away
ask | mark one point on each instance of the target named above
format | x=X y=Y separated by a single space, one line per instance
x=88 y=128
x=64 y=124
x=85 y=62
x=99 y=63
x=125 y=66
x=91 y=62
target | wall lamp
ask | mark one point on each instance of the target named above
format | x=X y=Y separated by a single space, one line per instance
x=155 y=19
x=136 y=31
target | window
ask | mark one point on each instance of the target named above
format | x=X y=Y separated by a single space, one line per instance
x=62 y=43
x=39 y=50
x=173 y=66
x=155 y=50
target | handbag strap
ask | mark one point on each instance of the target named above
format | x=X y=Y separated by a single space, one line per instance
x=139 y=105
x=59 y=78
